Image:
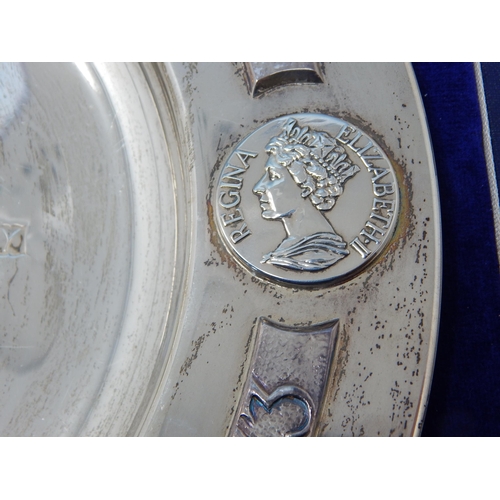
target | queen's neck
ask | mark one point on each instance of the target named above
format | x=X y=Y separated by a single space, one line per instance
x=304 y=221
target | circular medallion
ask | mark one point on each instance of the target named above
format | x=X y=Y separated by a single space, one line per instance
x=306 y=199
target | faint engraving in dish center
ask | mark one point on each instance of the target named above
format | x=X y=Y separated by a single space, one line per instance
x=315 y=162
x=12 y=240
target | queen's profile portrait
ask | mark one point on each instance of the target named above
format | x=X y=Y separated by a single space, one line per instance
x=304 y=175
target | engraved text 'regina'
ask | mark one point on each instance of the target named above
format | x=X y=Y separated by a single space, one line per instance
x=230 y=185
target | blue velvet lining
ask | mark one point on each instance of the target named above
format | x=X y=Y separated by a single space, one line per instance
x=465 y=394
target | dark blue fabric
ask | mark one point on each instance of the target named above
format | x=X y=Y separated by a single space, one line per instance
x=465 y=394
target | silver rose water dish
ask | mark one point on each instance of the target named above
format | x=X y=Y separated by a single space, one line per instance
x=216 y=250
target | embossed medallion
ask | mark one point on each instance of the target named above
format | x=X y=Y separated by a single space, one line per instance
x=328 y=183
x=289 y=371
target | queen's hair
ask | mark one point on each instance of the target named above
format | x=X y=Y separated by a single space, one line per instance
x=316 y=162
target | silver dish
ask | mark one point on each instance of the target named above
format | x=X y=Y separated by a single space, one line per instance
x=125 y=309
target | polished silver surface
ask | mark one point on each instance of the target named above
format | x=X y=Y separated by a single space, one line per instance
x=129 y=305
x=265 y=76
x=330 y=186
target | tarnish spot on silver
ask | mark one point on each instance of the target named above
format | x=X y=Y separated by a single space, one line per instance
x=262 y=77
